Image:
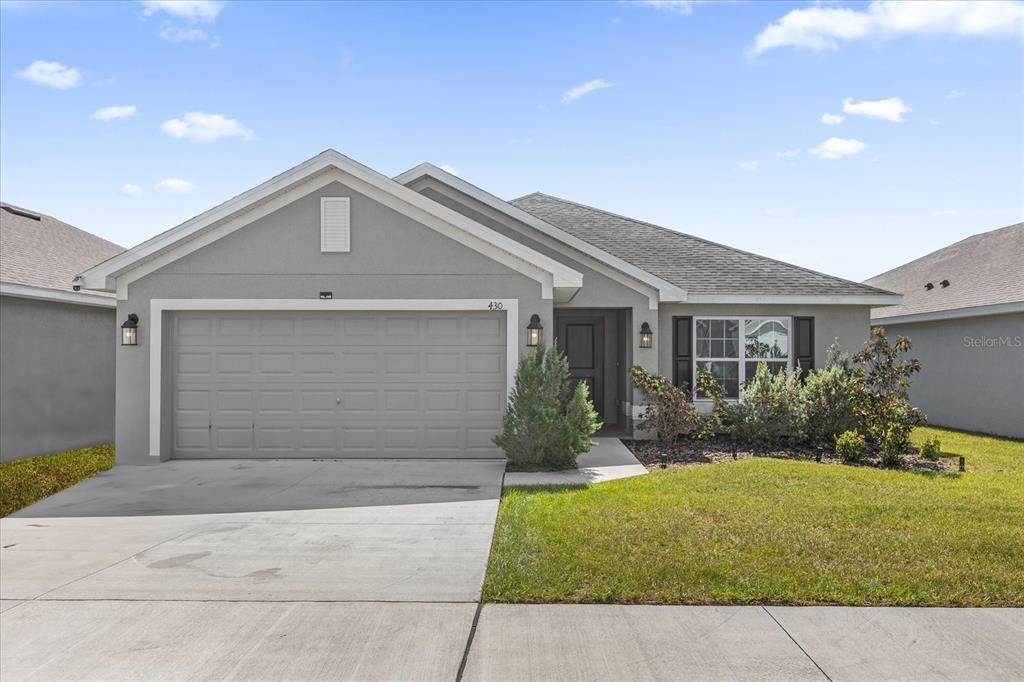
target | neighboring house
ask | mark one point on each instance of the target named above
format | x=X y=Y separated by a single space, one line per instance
x=333 y=311
x=56 y=344
x=963 y=309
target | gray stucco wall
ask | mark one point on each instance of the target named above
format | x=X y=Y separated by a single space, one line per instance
x=602 y=286
x=972 y=372
x=278 y=256
x=56 y=376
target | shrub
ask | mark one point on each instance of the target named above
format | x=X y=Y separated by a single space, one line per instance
x=770 y=413
x=886 y=415
x=547 y=422
x=830 y=397
x=669 y=411
x=721 y=415
x=930 y=448
x=850 y=446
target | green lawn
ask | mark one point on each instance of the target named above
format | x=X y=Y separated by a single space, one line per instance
x=776 y=532
x=25 y=481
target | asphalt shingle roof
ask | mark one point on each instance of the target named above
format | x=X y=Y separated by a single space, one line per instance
x=46 y=252
x=986 y=269
x=697 y=265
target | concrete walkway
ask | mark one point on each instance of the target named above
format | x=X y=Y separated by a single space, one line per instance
x=249 y=569
x=606 y=642
x=608 y=460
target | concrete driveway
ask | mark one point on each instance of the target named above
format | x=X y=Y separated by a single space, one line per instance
x=251 y=569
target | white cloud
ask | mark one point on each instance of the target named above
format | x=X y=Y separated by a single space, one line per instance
x=832 y=119
x=192 y=10
x=201 y=127
x=955 y=94
x=51 y=74
x=891 y=109
x=175 y=186
x=131 y=190
x=573 y=94
x=672 y=6
x=837 y=148
x=450 y=169
x=824 y=28
x=177 y=34
x=749 y=166
x=115 y=111
x=788 y=153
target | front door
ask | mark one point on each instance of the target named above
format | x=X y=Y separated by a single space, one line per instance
x=582 y=341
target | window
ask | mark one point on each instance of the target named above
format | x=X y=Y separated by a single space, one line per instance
x=718 y=348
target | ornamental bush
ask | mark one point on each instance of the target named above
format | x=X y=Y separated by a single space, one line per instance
x=669 y=413
x=770 y=413
x=830 y=398
x=850 y=446
x=548 y=422
x=930 y=448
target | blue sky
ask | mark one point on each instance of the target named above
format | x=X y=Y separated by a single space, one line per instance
x=702 y=117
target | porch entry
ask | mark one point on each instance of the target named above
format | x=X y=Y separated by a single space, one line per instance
x=590 y=341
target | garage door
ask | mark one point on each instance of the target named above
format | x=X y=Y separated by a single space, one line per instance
x=337 y=384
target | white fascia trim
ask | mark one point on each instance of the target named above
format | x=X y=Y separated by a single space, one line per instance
x=157 y=306
x=866 y=299
x=363 y=179
x=958 y=313
x=667 y=291
x=44 y=294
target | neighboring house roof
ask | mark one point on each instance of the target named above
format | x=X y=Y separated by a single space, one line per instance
x=40 y=256
x=322 y=169
x=984 y=275
x=709 y=272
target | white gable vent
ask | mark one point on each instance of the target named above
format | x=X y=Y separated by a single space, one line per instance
x=335 y=227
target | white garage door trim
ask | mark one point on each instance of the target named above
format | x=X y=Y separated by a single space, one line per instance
x=510 y=306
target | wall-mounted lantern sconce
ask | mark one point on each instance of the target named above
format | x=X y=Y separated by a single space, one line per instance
x=534 y=331
x=646 y=336
x=130 y=331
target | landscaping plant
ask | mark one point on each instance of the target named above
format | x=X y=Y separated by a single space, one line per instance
x=549 y=421
x=829 y=399
x=850 y=446
x=770 y=413
x=930 y=448
x=886 y=415
x=668 y=412
x=721 y=415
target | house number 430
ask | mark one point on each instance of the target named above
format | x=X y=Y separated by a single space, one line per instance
x=495 y=305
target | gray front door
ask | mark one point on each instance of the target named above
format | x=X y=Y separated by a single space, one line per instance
x=337 y=384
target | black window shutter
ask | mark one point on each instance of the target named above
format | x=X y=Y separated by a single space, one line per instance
x=682 y=352
x=804 y=346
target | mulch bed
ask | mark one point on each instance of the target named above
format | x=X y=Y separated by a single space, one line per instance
x=720 y=449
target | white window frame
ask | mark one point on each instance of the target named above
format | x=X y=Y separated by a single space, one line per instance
x=742 y=359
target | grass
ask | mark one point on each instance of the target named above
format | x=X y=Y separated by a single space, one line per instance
x=25 y=481
x=767 y=531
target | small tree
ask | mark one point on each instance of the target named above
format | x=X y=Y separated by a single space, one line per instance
x=669 y=412
x=548 y=422
x=886 y=415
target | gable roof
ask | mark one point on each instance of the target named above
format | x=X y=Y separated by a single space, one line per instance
x=709 y=272
x=984 y=272
x=326 y=167
x=40 y=255
x=667 y=290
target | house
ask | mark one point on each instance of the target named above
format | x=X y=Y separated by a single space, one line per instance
x=963 y=309
x=56 y=344
x=333 y=311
